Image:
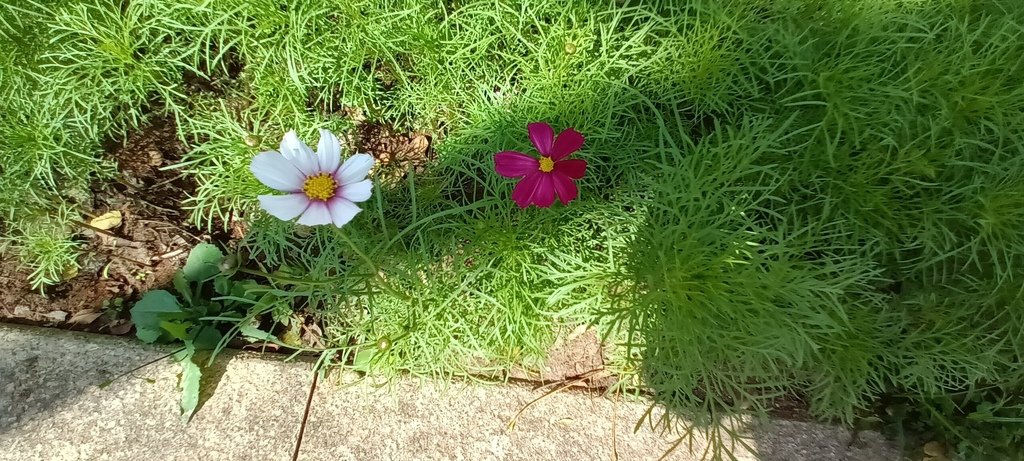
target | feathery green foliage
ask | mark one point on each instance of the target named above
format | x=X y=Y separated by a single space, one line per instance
x=791 y=197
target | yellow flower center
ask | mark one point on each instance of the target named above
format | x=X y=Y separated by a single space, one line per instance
x=320 y=187
x=546 y=164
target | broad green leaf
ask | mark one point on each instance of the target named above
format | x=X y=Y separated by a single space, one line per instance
x=222 y=285
x=178 y=330
x=206 y=337
x=241 y=289
x=252 y=332
x=362 y=360
x=202 y=263
x=198 y=310
x=182 y=287
x=152 y=309
x=148 y=335
x=190 y=376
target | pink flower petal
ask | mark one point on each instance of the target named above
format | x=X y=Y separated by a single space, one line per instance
x=342 y=211
x=524 y=190
x=542 y=136
x=357 y=192
x=297 y=152
x=544 y=195
x=328 y=152
x=564 y=187
x=567 y=142
x=573 y=168
x=284 y=207
x=354 y=169
x=276 y=172
x=316 y=214
x=512 y=164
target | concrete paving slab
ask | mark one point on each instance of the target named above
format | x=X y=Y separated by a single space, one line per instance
x=52 y=408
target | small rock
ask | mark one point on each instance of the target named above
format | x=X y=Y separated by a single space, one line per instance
x=57 y=316
x=935 y=449
x=22 y=311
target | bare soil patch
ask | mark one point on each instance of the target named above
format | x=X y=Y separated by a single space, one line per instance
x=119 y=262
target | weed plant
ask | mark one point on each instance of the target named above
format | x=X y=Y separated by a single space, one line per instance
x=787 y=198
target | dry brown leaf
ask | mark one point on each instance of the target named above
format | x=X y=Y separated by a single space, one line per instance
x=121 y=328
x=107 y=221
x=311 y=335
x=85 y=317
x=261 y=347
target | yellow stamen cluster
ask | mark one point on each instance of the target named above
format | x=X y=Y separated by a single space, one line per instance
x=546 y=164
x=320 y=187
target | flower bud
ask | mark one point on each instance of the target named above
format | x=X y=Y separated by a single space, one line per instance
x=229 y=264
x=253 y=140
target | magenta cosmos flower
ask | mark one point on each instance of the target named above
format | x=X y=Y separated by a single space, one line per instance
x=550 y=175
x=319 y=188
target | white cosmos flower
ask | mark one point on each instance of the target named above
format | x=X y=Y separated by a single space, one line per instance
x=319 y=188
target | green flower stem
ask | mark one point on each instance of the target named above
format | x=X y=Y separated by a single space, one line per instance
x=381 y=281
x=285 y=279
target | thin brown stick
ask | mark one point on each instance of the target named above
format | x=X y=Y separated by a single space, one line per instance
x=148 y=203
x=164 y=182
x=133 y=370
x=573 y=379
x=564 y=385
x=305 y=416
x=169 y=255
x=615 y=428
x=112 y=255
x=118 y=239
x=173 y=226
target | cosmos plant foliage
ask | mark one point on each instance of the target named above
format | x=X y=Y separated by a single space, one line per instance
x=792 y=197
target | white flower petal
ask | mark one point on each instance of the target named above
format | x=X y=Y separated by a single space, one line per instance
x=328 y=152
x=354 y=169
x=276 y=172
x=342 y=211
x=284 y=207
x=316 y=214
x=358 y=192
x=299 y=154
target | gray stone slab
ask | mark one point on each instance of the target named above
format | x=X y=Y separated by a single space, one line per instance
x=52 y=408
